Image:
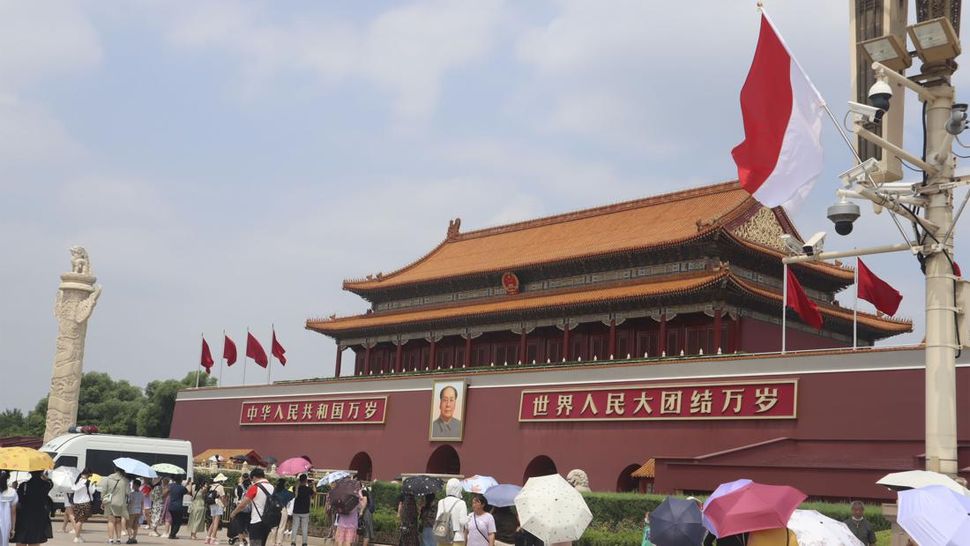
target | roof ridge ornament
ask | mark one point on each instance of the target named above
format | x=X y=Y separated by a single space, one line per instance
x=454 y=228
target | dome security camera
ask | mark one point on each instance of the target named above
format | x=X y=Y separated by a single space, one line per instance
x=843 y=214
x=879 y=96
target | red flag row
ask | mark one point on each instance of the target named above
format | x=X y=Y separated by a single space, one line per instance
x=870 y=288
x=254 y=350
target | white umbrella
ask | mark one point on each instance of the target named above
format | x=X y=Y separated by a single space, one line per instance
x=19 y=476
x=168 y=468
x=332 y=477
x=135 y=467
x=478 y=484
x=934 y=516
x=913 y=479
x=814 y=529
x=64 y=478
x=552 y=510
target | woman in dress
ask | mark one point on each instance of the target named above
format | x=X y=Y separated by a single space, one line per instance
x=409 y=522
x=33 y=516
x=8 y=509
x=83 y=489
x=159 y=505
x=197 y=509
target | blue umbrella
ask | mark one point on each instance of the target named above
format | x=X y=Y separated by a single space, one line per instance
x=135 y=467
x=934 y=516
x=502 y=494
x=677 y=522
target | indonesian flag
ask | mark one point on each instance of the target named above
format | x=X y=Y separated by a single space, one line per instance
x=255 y=351
x=278 y=351
x=799 y=302
x=229 y=351
x=206 y=357
x=781 y=155
x=877 y=291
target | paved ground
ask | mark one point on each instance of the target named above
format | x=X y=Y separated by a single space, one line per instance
x=95 y=532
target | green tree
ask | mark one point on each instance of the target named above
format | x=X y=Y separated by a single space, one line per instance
x=13 y=422
x=155 y=415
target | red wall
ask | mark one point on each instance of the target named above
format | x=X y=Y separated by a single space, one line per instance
x=884 y=405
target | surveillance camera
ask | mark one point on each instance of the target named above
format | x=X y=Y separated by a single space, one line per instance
x=870 y=113
x=792 y=244
x=958 y=119
x=879 y=95
x=843 y=214
x=814 y=244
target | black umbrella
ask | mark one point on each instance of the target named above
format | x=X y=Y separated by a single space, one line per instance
x=422 y=485
x=345 y=495
x=677 y=522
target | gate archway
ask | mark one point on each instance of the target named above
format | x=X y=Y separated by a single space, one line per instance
x=444 y=460
x=540 y=465
x=363 y=465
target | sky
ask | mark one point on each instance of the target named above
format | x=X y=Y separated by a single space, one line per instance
x=228 y=164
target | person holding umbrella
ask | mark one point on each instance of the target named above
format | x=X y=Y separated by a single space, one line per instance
x=426 y=519
x=82 y=502
x=8 y=509
x=114 y=495
x=33 y=520
x=409 y=522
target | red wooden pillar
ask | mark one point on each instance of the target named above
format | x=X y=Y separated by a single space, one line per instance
x=737 y=334
x=662 y=342
x=612 y=344
x=565 y=341
x=340 y=352
x=366 y=360
x=432 y=363
x=717 y=330
x=397 y=357
x=522 y=346
x=468 y=351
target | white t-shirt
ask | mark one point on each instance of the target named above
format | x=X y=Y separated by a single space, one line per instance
x=82 y=492
x=479 y=528
x=458 y=515
x=255 y=493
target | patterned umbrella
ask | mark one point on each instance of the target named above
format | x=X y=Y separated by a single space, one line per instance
x=552 y=510
x=333 y=477
x=422 y=485
x=753 y=507
x=293 y=466
x=502 y=495
x=345 y=495
x=676 y=522
x=934 y=516
x=166 y=468
x=25 y=459
x=64 y=478
x=478 y=484
x=814 y=529
x=911 y=479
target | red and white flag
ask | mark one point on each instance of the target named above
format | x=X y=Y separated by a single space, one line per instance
x=278 y=351
x=781 y=155
x=877 y=291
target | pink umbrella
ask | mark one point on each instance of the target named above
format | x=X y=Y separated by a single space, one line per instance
x=753 y=507
x=294 y=466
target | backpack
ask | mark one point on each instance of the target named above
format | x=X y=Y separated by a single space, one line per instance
x=272 y=511
x=211 y=496
x=443 y=531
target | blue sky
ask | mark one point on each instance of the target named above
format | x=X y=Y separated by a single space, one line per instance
x=227 y=164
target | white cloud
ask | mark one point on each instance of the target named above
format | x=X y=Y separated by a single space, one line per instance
x=406 y=50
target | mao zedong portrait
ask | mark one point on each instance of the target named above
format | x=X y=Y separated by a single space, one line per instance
x=446 y=426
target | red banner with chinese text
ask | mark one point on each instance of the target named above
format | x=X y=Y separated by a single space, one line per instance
x=343 y=411
x=768 y=400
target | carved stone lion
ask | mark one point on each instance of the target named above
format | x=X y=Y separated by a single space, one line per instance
x=79 y=261
x=579 y=480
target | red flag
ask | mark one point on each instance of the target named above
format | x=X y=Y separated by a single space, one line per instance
x=877 y=291
x=255 y=351
x=278 y=351
x=229 y=351
x=206 y=357
x=799 y=302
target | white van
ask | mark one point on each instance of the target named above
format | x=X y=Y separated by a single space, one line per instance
x=97 y=451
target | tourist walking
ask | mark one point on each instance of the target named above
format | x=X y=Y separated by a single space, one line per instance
x=366 y=527
x=255 y=498
x=283 y=496
x=454 y=505
x=8 y=508
x=197 y=509
x=480 y=528
x=135 y=505
x=159 y=498
x=346 y=533
x=33 y=521
x=426 y=518
x=244 y=515
x=82 y=498
x=859 y=525
x=176 y=492
x=68 y=524
x=301 y=510
x=114 y=499
x=216 y=501
x=409 y=532
x=146 y=495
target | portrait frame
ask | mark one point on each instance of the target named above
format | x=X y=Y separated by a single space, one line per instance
x=461 y=389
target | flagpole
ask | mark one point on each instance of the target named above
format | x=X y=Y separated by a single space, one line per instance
x=855 y=307
x=269 y=362
x=784 y=306
x=200 y=364
x=222 y=361
x=246 y=356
